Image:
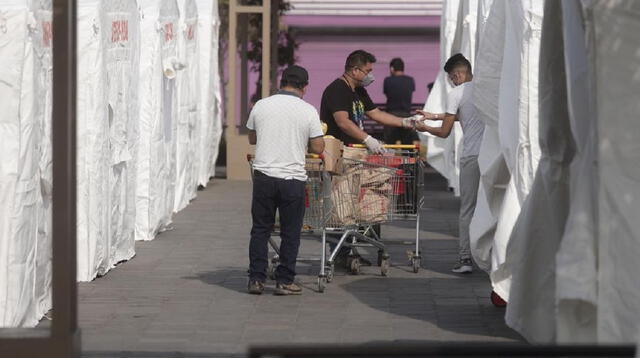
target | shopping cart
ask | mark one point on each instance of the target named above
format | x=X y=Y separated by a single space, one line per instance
x=408 y=194
x=367 y=192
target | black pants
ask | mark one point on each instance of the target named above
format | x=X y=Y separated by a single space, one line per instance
x=286 y=196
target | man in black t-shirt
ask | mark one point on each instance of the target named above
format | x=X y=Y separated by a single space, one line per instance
x=345 y=103
x=399 y=90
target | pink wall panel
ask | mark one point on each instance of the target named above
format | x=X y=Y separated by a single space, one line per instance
x=324 y=57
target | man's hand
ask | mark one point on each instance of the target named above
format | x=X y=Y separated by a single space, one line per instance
x=374 y=145
x=431 y=116
x=411 y=122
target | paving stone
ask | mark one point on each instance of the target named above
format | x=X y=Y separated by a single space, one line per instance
x=184 y=294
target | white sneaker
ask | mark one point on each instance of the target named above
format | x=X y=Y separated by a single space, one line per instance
x=464 y=266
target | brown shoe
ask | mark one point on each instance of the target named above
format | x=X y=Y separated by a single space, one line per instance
x=256 y=287
x=285 y=290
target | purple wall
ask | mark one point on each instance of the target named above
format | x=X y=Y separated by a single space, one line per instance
x=324 y=57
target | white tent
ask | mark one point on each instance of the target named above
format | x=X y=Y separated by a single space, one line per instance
x=517 y=124
x=493 y=169
x=107 y=132
x=617 y=86
x=157 y=93
x=441 y=152
x=19 y=172
x=188 y=101
x=573 y=247
x=210 y=129
x=127 y=129
x=41 y=37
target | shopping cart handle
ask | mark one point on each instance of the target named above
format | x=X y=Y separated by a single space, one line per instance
x=389 y=146
x=309 y=155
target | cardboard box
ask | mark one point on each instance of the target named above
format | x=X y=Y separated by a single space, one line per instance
x=313 y=164
x=355 y=153
x=333 y=155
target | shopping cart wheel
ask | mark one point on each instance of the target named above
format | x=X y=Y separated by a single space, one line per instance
x=415 y=262
x=355 y=266
x=384 y=266
x=330 y=270
x=322 y=283
x=271 y=270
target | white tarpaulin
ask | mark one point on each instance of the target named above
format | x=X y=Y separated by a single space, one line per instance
x=441 y=152
x=617 y=54
x=153 y=208
x=579 y=232
x=530 y=256
x=576 y=262
x=188 y=101
x=41 y=37
x=19 y=171
x=126 y=119
x=493 y=170
x=516 y=129
x=107 y=134
x=210 y=129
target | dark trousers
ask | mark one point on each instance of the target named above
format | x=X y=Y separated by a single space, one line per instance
x=287 y=197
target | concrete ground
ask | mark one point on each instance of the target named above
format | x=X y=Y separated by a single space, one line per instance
x=184 y=294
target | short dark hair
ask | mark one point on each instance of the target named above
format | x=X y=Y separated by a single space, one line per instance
x=294 y=76
x=358 y=58
x=397 y=64
x=455 y=61
x=294 y=84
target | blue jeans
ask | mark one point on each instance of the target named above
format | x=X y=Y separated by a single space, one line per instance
x=287 y=197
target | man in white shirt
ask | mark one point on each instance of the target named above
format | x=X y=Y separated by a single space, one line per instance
x=460 y=107
x=282 y=126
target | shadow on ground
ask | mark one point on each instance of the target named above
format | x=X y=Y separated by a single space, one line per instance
x=449 y=304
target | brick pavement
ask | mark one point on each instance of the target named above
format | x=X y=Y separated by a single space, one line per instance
x=184 y=294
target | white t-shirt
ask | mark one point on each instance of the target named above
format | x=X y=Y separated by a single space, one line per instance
x=460 y=102
x=284 y=124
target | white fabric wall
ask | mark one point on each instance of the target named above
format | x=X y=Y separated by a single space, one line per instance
x=441 y=152
x=518 y=124
x=570 y=257
x=107 y=133
x=92 y=144
x=128 y=121
x=493 y=169
x=576 y=262
x=156 y=177
x=530 y=257
x=19 y=169
x=41 y=37
x=210 y=130
x=617 y=24
x=188 y=101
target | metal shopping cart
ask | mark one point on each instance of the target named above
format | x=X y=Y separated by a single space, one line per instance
x=409 y=197
x=367 y=192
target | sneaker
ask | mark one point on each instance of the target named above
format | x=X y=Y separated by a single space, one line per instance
x=285 y=290
x=464 y=266
x=256 y=287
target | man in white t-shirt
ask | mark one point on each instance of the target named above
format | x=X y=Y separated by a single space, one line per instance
x=282 y=127
x=460 y=107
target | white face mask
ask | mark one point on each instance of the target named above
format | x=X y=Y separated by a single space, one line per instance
x=368 y=79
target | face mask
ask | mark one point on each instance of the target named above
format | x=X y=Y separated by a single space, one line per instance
x=368 y=79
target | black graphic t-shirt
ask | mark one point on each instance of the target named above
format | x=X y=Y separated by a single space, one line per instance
x=338 y=96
